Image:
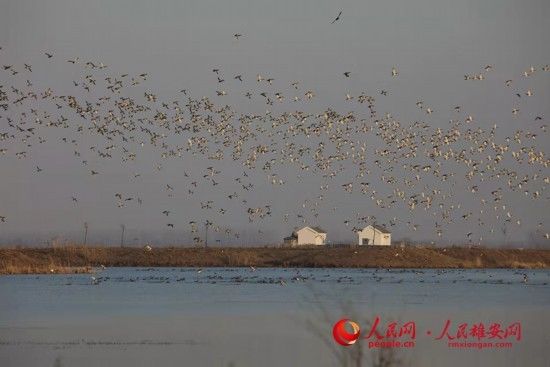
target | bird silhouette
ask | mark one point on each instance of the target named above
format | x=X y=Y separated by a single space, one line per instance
x=337 y=18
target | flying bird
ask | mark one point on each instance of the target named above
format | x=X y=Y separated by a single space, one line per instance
x=337 y=18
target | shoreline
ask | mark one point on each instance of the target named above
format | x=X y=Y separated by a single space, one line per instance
x=80 y=259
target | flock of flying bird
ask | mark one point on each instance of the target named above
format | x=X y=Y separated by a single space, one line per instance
x=378 y=160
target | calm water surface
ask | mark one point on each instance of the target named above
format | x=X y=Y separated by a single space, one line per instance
x=262 y=317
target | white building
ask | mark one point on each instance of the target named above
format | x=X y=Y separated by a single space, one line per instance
x=374 y=235
x=307 y=236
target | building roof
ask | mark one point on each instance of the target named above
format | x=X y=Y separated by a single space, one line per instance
x=381 y=229
x=318 y=229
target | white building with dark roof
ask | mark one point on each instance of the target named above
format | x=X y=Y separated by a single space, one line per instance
x=374 y=235
x=307 y=236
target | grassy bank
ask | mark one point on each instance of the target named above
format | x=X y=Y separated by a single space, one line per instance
x=82 y=259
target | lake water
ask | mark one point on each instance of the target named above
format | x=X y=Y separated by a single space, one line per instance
x=263 y=317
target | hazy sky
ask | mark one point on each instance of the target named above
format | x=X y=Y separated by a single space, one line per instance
x=433 y=43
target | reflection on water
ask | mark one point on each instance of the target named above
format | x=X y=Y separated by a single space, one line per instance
x=57 y=362
x=270 y=317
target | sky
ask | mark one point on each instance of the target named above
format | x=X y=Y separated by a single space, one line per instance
x=432 y=44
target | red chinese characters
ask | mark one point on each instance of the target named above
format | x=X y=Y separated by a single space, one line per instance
x=480 y=331
x=393 y=330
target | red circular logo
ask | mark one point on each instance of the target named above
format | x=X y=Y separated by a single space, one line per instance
x=342 y=336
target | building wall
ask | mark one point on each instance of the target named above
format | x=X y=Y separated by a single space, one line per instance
x=376 y=239
x=385 y=239
x=290 y=242
x=307 y=236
